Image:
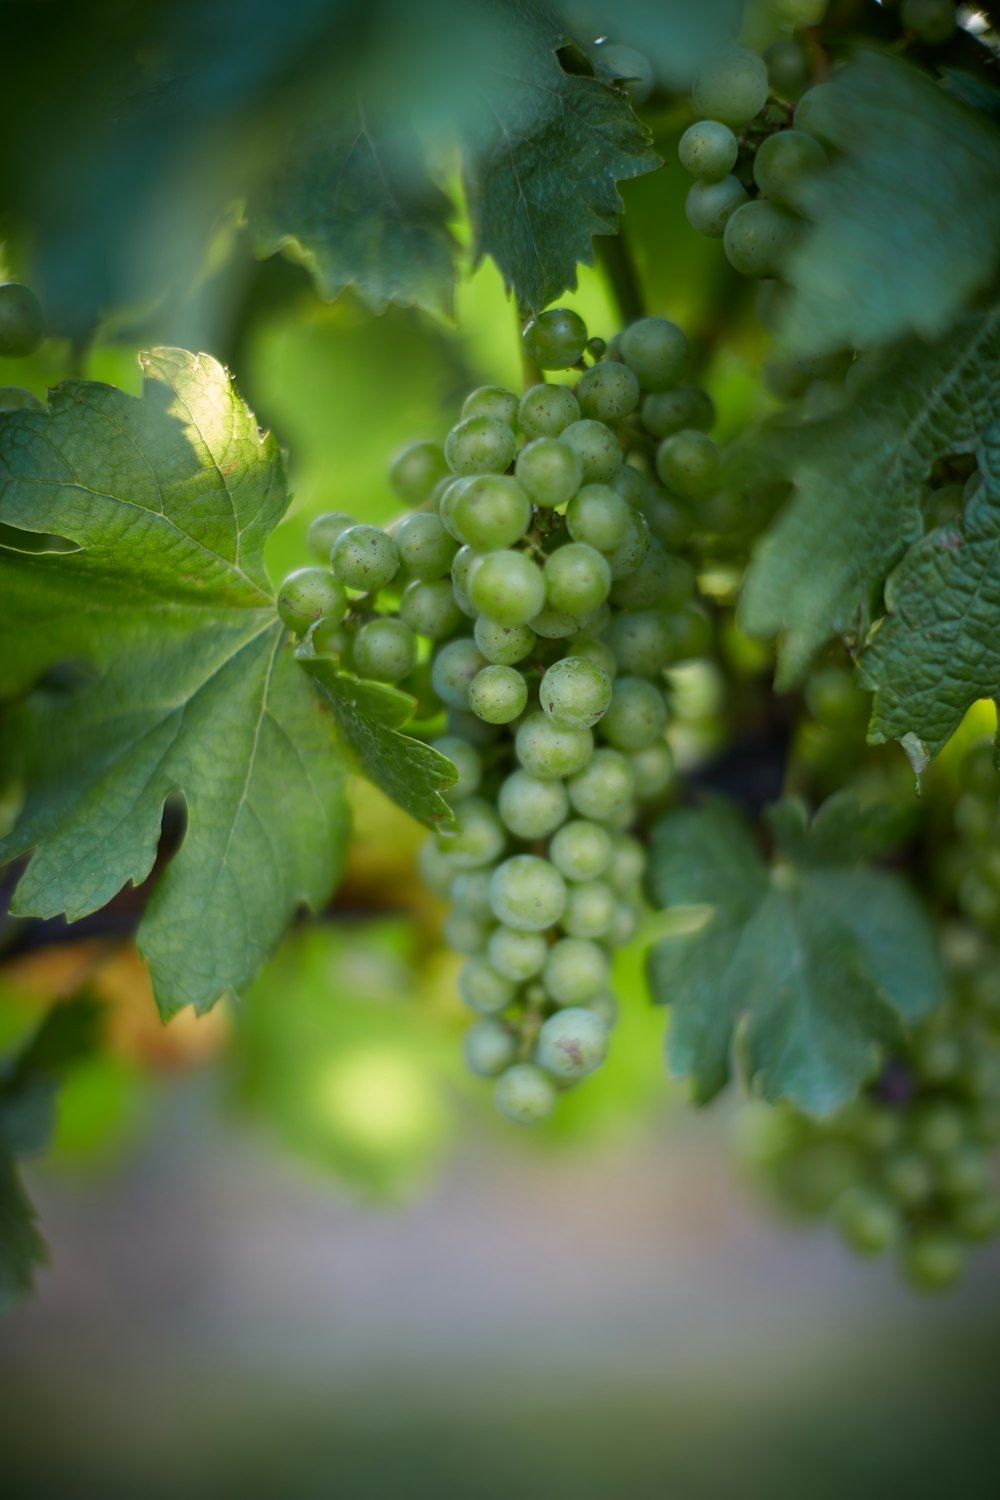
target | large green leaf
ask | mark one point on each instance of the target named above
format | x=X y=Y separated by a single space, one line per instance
x=22 y=1249
x=818 y=959
x=192 y=686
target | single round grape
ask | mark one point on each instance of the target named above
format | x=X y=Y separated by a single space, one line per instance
x=575 y=692
x=598 y=449
x=425 y=548
x=708 y=150
x=592 y=626
x=467 y=762
x=549 y=751
x=636 y=716
x=546 y=409
x=604 y=787
x=491 y=401
x=623 y=926
x=455 y=665
x=527 y=893
x=531 y=808
x=324 y=531
x=572 y=1043
x=818 y=110
x=710 y=205
x=598 y=516
x=524 y=1094
x=489 y=1047
x=333 y=638
x=590 y=910
x=786 y=160
x=498 y=694
x=787 y=66
x=759 y=237
x=415 y=470
x=937 y=1055
x=732 y=87
x=507 y=587
x=629 y=483
x=22 y=323
x=491 y=511
x=597 y=347
x=516 y=955
x=575 y=971
x=428 y=607
x=978 y=1218
x=556 y=339
x=630 y=552
x=966 y=1173
x=436 y=870
x=577 y=579
x=478 y=837
x=656 y=350
x=653 y=769
x=465 y=934
x=939 y=1128
x=626 y=865
x=470 y=892
x=482 y=988
x=659 y=579
x=692 y=634
x=555 y=624
x=503 y=644
x=642 y=641
x=689 y=463
x=666 y=412
x=931 y=21
x=867 y=1219
x=934 y=1259
x=464 y=561
x=608 y=391
x=581 y=850
x=598 y=652
x=669 y=519
x=549 y=470
x=364 y=557
x=385 y=650
x=448 y=501
x=480 y=445
x=907 y=1176
x=308 y=595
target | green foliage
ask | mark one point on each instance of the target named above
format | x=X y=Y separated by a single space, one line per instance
x=69 y=1034
x=22 y=1249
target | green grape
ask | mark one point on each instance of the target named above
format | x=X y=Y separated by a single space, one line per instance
x=467 y=762
x=607 y=391
x=556 y=339
x=642 y=642
x=524 y=1095
x=629 y=483
x=425 y=548
x=480 y=445
x=546 y=409
x=506 y=587
x=937 y=1055
x=636 y=715
x=575 y=971
x=934 y=1259
x=324 y=531
x=581 y=850
x=623 y=927
x=498 y=694
x=818 y=110
x=598 y=516
x=454 y=667
x=659 y=579
x=448 y=502
x=784 y=161
x=531 y=808
x=490 y=512
x=470 y=892
x=868 y=1220
x=732 y=87
x=465 y=934
x=428 y=607
x=549 y=470
x=332 y=638
x=598 y=449
x=787 y=66
x=630 y=552
x=596 y=651
x=966 y=1173
x=478 y=837
x=631 y=68
x=931 y=21
x=653 y=769
x=308 y=595
x=978 y=1218
x=468 y=727
x=604 y=787
x=461 y=571
x=592 y=626
x=575 y=692
x=605 y=1008
x=665 y=412
x=597 y=347
x=572 y=1043
x=577 y=580
x=907 y=1176
x=491 y=401
x=590 y=910
x=657 y=351
x=489 y=1047
x=364 y=558
x=527 y=893
x=503 y=644
x=708 y=150
x=667 y=517
x=482 y=988
x=710 y=205
x=436 y=870
x=550 y=751
x=688 y=462
x=555 y=624
x=692 y=634
x=415 y=470
x=22 y=323
x=939 y=1128
x=516 y=955
x=385 y=650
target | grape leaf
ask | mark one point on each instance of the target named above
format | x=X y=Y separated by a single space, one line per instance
x=821 y=960
x=677 y=39
x=858 y=476
x=192 y=686
x=30 y=1082
x=22 y=1249
x=907 y=218
x=938 y=649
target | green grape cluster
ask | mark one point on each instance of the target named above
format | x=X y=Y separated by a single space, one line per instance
x=531 y=602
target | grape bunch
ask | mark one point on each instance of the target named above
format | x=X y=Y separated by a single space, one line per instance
x=531 y=601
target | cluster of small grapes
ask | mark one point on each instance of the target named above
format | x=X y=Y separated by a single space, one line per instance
x=530 y=599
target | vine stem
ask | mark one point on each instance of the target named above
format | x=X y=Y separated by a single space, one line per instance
x=615 y=259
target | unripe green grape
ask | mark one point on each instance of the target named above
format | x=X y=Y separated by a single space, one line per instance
x=22 y=323
x=524 y=1095
x=623 y=926
x=385 y=650
x=527 y=893
x=708 y=150
x=931 y=21
x=630 y=552
x=503 y=644
x=577 y=580
x=581 y=850
x=556 y=339
x=464 y=561
x=448 y=502
x=759 y=237
x=575 y=692
x=425 y=548
x=415 y=470
x=506 y=587
x=482 y=988
x=480 y=445
x=659 y=579
x=629 y=483
x=608 y=391
x=478 y=837
x=692 y=631
x=491 y=401
x=689 y=463
x=546 y=409
x=907 y=1176
x=656 y=350
x=470 y=892
x=436 y=870
x=572 y=1043
x=966 y=1173
x=731 y=87
x=939 y=1128
x=784 y=161
x=592 y=626
x=605 y=1008
x=324 y=531
x=599 y=652
x=710 y=205
x=653 y=769
x=465 y=934
x=642 y=641
x=575 y=971
x=491 y=511
x=365 y=558
x=934 y=1259
x=978 y=1218
x=489 y=1047
x=636 y=715
x=787 y=66
x=590 y=910
x=604 y=787
x=597 y=347
x=598 y=516
x=549 y=470
x=467 y=762
x=555 y=624
x=333 y=638
x=937 y=1055
x=668 y=517
x=428 y=607
x=818 y=110
x=598 y=449
x=455 y=665
x=867 y=1219
x=498 y=694
x=517 y=955
x=665 y=412
x=308 y=595
x=549 y=751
